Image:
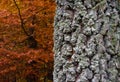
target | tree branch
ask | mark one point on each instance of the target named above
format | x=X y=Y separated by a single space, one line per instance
x=22 y=22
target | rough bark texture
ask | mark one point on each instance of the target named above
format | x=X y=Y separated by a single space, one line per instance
x=87 y=41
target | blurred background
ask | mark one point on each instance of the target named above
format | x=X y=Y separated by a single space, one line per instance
x=22 y=58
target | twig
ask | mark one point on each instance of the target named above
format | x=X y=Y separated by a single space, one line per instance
x=22 y=22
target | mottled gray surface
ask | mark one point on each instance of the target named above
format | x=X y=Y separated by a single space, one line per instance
x=87 y=41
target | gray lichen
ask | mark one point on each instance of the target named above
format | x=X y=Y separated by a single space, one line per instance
x=87 y=41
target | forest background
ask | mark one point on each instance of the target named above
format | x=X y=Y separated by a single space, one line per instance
x=19 y=62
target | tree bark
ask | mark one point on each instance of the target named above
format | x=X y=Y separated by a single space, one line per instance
x=87 y=41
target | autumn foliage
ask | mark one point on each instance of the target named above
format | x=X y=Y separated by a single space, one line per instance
x=19 y=62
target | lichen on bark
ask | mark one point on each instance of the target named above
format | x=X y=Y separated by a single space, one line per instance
x=87 y=41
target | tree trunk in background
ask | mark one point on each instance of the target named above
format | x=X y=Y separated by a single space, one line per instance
x=87 y=41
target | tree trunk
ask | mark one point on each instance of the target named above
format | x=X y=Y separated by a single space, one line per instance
x=87 y=41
